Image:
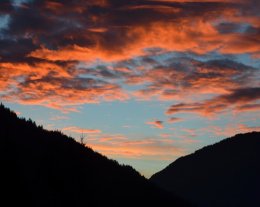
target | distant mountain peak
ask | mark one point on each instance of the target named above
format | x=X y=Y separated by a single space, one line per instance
x=224 y=174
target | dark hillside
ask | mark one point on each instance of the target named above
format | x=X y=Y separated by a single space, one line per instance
x=43 y=168
x=226 y=174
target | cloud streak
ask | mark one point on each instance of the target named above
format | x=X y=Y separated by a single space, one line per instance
x=80 y=130
x=156 y=124
x=239 y=99
x=149 y=148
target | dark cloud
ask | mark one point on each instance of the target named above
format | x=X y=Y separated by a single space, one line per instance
x=242 y=95
x=227 y=27
x=16 y=50
x=188 y=76
x=6 y=7
x=56 y=24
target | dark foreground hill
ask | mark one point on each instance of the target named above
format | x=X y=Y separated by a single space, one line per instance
x=226 y=174
x=42 y=168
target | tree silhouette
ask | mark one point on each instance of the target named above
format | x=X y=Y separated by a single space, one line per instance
x=82 y=137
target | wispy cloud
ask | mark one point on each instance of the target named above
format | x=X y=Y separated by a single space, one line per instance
x=78 y=130
x=122 y=146
x=231 y=129
x=156 y=124
x=238 y=99
x=174 y=119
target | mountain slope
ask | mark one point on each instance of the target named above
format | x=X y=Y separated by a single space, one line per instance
x=226 y=174
x=46 y=168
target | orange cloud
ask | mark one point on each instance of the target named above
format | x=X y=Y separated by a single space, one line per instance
x=81 y=130
x=197 y=35
x=240 y=44
x=112 y=35
x=52 y=85
x=120 y=146
x=156 y=124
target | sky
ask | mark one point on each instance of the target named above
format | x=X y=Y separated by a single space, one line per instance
x=145 y=81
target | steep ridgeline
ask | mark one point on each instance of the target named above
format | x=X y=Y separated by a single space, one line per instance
x=43 y=168
x=226 y=174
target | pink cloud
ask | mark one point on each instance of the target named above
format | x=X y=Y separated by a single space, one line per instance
x=121 y=146
x=79 y=130
x=231 y=129
x=156 y=124
x=174 y=120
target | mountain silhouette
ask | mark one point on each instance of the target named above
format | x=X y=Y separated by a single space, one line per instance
x=43 y=168
x=226 y=174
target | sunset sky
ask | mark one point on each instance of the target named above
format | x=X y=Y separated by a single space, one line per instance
x=146 y=81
